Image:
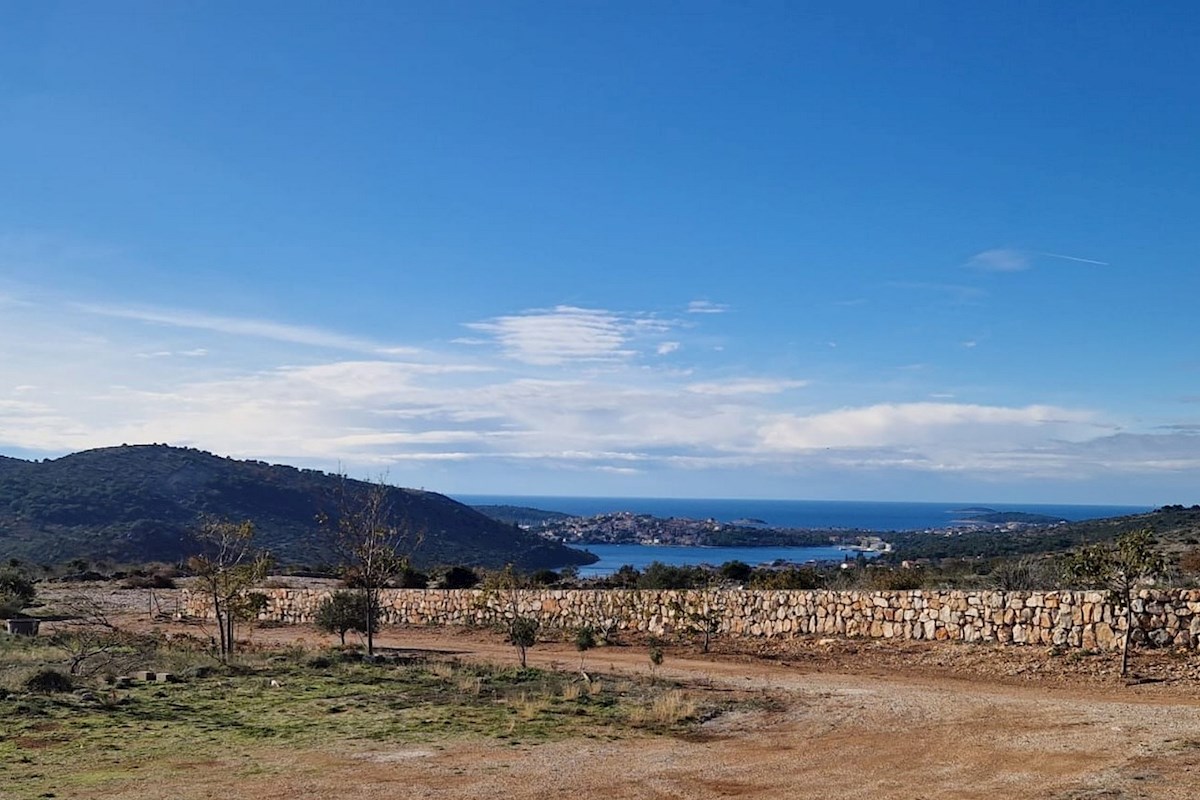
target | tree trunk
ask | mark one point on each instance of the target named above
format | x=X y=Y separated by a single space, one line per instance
x=219 y=613
x=372 y=599
x=1125 y=641
x=228 y=634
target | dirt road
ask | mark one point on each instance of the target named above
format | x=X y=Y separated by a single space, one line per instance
x=822 y=732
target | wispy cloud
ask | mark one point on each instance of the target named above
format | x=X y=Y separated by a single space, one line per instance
x=79 y=382
x=706 y=307
x=745 y=386
x=550 y=337
x=1076 y=259
x=1000 y=259
x=890 y=424
x=238 y=326
x=666 y=348
x=1008 y=259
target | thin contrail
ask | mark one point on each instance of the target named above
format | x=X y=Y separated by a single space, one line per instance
x=1076 y=258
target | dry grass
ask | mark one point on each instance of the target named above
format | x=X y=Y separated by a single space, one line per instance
x=670 y=708
x=441 y=669
x=471 y=685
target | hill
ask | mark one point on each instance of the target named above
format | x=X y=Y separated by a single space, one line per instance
x=1177 y=528
x=142 y=503
x=521 y=515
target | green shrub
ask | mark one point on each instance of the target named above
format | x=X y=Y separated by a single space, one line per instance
x=669 y=576
x=345 y=611
x=786 y=579
x=49 y=681
x=16 y=592
x=738 y=571
x=460 y=578
x=897 y=579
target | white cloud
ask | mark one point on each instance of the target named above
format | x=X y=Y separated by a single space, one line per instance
x=78 y=383
x=706 y=307
x=745 y=386
x=1006 y=259
x=666 y=348
x=908 y=424
x=564 y=334
x=1000 y=259
x=237 y=326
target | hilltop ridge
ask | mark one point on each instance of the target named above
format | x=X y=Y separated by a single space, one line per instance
x=142 y=502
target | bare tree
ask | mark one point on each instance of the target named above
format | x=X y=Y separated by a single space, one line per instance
x=91 y=641
x=227 y=569
x=373 y=541
x=1119 y=568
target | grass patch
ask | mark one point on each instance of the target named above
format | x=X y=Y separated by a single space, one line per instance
x=101 y=738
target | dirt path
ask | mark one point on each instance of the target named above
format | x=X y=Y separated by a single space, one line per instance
x=837 y=719
x=821 y=733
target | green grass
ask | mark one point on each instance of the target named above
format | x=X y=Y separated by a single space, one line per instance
x=84 y=742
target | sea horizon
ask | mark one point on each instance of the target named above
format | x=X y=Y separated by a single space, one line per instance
x=871 y=515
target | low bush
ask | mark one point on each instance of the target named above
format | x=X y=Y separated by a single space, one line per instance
x=49 y=681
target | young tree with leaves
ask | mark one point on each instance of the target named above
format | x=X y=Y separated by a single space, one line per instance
x=505 y=587
x=226 y=569
x=345 y=611
x=585 y=639
x=374 y=543
x=1119 y=568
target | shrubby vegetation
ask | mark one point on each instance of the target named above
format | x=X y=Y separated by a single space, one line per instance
x=66 y=725
x=17 y=592
x=343 y=612
x=140 y=503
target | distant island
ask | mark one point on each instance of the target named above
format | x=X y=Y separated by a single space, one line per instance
x=626 y=527
x=981 y=514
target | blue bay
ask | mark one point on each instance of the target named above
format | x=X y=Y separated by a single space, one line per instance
x=872 y=516
x=845 y=514
x=640 y=556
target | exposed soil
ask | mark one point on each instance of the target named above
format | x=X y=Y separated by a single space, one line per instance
x=828 y=719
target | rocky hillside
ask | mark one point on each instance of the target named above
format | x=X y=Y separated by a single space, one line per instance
x=1175 y=527
x=142 y=503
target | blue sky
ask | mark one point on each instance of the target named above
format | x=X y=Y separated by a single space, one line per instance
x=917 y=251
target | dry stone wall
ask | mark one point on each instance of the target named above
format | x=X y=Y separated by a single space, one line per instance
x=1069 y=619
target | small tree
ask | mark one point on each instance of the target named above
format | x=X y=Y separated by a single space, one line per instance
x=702 y=614
x=374 y=543
x=344 y=611
x=656 y=656
x=585 y=639
x=226 y=570
x=16 y=592
x=505 y=587
x=522 y=633
x=91 y=642
x=1119 y=568
x=459 y=578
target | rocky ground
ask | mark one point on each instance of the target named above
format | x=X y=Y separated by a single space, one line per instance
x=827 y=718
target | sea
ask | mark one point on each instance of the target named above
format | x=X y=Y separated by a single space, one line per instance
x=877 y=516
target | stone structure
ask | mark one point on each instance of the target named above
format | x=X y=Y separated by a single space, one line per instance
x=1065 y=618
